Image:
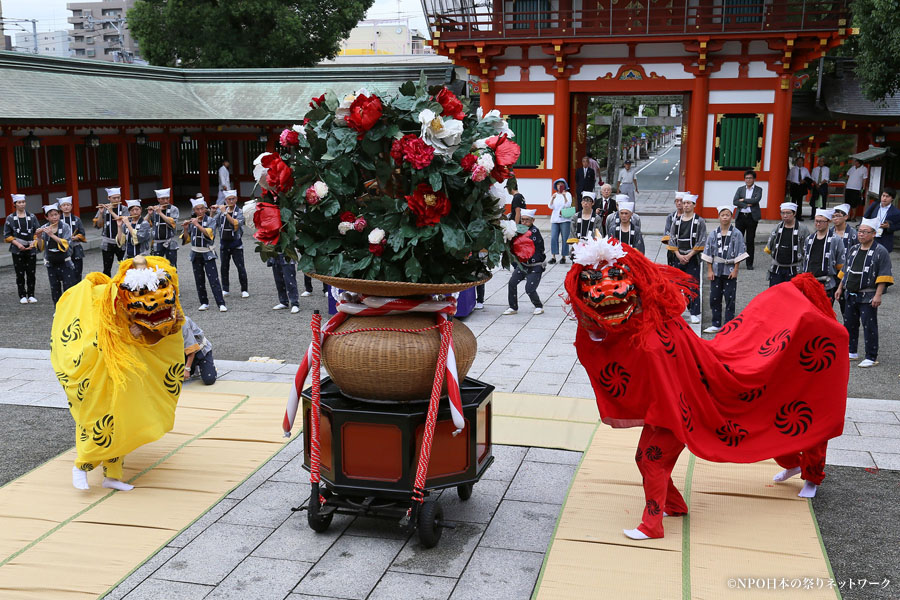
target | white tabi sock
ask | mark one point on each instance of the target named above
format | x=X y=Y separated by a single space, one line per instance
x=809 y=490
x=79 y=479
x=636 y=534
x=115 y=484
x=786 y=474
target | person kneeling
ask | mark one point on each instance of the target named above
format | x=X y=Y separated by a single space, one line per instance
x=198 y=354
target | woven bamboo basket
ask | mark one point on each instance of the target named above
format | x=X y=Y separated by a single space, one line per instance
x=390 y=365
x=394 y=289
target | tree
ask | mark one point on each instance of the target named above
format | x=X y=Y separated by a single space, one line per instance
x=837 y=152
x=242 y=33
x=877 y=47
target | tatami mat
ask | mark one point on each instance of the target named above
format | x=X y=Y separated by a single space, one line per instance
x=741 y=525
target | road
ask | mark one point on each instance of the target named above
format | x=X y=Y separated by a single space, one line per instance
x=660 y=172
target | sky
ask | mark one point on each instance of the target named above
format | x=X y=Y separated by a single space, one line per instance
x=52 y=14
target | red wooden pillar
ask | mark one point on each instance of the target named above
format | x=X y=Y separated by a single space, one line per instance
x=561 y=125
x=8 y=167
x=486 y=98
x=71 y=162
x=203 y=167
x=781 y=137
x=165 y=159
x=124 y=169
x=696 y=141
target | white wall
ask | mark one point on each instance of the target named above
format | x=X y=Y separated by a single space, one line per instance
x=536 y=191
x=742 y=97
x=540 y=98
x=594 y=72
x=716 y=193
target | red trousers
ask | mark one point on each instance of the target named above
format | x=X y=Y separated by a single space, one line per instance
x=811 y=463
x=657 y=453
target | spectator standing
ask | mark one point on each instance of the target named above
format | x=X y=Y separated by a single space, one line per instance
x=824 y=253
x=865 y=276
x=605 y=205
x=786 y=246
x=585 y=177
x=687 y=239
x=560 y=201
x=78 y=235
x=224 y=181
x=798 y=178
x=747 y=198
x=821 y=177
x=19 y=230
x=627 y=183
x=723 y=253
x=530 y=253
x=598 y=178
x=888 y=217
x=857 y=177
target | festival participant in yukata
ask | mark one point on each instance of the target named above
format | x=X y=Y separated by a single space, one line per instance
x=724 y=251
x=285 y=272
x=841 y=227
x=198 y=354
x=747 y=199
x=230 y=225
x=134 y=234
x=626 y=226
x=585 y=222
x=53 y=240
x=679 y=210
x=786 y=245
x=19 y=230
x=78 y=234
x=605 y=205
x=528 y=248
x=687 y=238
x=888 y=217
x=163 y=219
x=199 y=232
x=864 y=278
x=824 y=253
x=105 y=221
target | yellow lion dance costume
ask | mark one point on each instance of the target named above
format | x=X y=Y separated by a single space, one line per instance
x=118 y=352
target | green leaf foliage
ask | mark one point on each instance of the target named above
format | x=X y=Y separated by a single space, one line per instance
x=236 y=34
x=877 y=47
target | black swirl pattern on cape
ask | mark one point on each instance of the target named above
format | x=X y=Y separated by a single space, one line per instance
x=62 y=378
x=71 y=333
x=775 y=344
x=83 y=386
x=794 y=418
x=731 y=433
x=652 y=507
x=818 y=354
x=653 y=453
x=614 y=379
x=731 y=326
x=638 y=455
x=687 y=416
x=751 y=395
x=174 y=378
x=103 y=431
x=666 y=340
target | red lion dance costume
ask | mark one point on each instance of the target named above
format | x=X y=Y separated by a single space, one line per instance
x=772 y=383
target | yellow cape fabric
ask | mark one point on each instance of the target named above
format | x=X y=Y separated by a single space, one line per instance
x=110 y=423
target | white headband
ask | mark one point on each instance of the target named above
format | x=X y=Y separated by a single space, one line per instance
x=163 y=193
x=789 y=206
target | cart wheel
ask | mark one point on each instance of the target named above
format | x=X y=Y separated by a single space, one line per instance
x=318 y=521
x=429 y=531
x=464 y=491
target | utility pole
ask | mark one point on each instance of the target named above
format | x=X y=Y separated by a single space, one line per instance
x=34 y=33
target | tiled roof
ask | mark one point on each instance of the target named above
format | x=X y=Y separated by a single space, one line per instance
x=40 y=89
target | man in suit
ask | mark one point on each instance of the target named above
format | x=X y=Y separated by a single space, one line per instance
x=585 y=177
x=747 y=199
x=888 y=217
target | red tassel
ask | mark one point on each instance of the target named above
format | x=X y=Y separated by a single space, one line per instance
x=815 y=291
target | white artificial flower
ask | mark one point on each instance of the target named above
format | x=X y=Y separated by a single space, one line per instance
x=258 y=160
x=320 y=188
x=301 y=129
x=494 y=119
x=376 y=236
x=481 y=144
x=485 y=160
x=593 y=253
x=443 y=136
x=509 y=229
x=344 y=227
x=343 y=109
x=249 y=209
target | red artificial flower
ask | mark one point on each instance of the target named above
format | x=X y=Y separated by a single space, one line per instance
x=347 y=217
x=359 y=224
x=505 y=150
x=311 y=197
x=523 y=246
x=267 y=219
x=317 y=101
x=364 y=113
x=428 y=205
x=289 y=138
x=468 y=162
x=377 y=249
x=418 y=153
x=398 y=147
x=500 y=173
x=451 y=104
x=279 y=178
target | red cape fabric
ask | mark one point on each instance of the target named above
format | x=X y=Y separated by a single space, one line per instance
x=772 y=382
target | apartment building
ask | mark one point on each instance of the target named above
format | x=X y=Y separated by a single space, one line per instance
x=99 y=31
x=49 y=43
